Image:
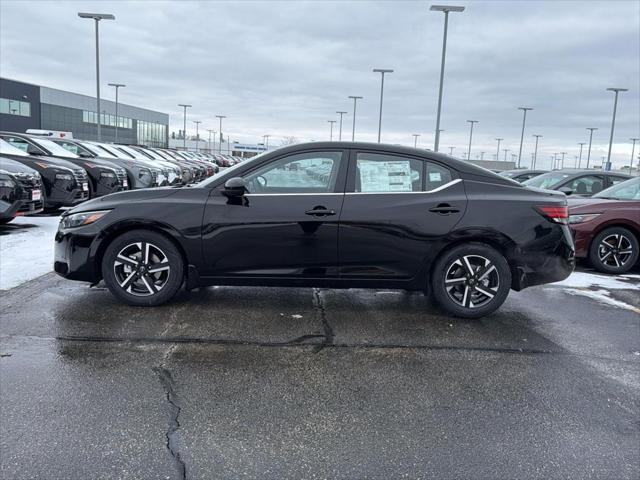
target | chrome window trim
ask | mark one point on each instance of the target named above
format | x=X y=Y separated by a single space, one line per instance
x=287 y=194
x=435 y=190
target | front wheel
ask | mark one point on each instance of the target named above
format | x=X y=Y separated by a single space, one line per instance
x=471 y=280
x=143 y=268
x=614 y=250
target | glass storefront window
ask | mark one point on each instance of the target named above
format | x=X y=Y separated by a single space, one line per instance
x=15 y=107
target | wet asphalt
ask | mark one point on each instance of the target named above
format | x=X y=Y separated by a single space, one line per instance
x=316 y=383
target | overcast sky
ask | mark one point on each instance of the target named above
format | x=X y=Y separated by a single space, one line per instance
x=284 y=68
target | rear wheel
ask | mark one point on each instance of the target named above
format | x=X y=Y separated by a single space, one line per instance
x=143 y=268
x=614 y=250
x=471 y=280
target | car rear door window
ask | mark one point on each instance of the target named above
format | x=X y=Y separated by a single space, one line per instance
x=313 y=172
x=586 y=185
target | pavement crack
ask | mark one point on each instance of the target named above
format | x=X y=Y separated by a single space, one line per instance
x=168 y=384
x=318 y=303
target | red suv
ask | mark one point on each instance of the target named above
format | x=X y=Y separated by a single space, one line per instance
x=606 y=227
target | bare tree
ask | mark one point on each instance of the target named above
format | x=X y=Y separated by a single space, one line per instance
x=288 y=140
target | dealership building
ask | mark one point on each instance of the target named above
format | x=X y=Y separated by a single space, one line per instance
x=26 y=106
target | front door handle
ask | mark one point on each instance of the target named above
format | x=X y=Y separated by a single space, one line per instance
x=320 y=212
x=444 y=209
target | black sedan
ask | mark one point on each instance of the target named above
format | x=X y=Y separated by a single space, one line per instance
x=64 y=185
x=10 y=197
x=384 y=217
x=577 y=182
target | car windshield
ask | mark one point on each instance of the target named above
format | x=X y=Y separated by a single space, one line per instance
x=96 y=150
x=54 y=148
x=8 y=149
x=627 y=190
x=229 y=170
x=546 y=180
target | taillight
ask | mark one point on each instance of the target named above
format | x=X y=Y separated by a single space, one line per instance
x=554 y=213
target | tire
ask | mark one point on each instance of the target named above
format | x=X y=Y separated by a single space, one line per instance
x=143 y=283
x=471 y=280
x=614 y=250
x=4 y=221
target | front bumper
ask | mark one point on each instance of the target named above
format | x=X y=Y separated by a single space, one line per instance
x=65 y=193
x=74 y=256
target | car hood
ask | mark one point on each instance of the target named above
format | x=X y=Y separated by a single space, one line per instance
x=128 y=196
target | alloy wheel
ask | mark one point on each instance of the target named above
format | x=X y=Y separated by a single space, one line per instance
x=615 y=250
x=141 y=269
x=472 y=281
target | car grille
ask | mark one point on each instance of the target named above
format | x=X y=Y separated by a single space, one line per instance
x=122 y=175
x=82 y=178
x=29 y=183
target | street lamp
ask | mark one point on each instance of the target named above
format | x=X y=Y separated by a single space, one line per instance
x=582 y=144
x=340 y=134
x=197 y=122
x=221 y=137
x=562 y=161
x=451 y=151
x=633 y=150
x=591 y=129
x=210 y=133
x=524 y=119
x=265 y=139
x=498 y=150
x=382 y=71
x=97 y=17
x=470 y=137
x=415 y=140
x=117 y=85
x=353 y=132
x=535 y=153
x=613 y=122
x=184 y=118
x=331 y=122
x=446 y=9
x=505 y=150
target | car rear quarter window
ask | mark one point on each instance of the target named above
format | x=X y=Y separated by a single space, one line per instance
x=437 y=175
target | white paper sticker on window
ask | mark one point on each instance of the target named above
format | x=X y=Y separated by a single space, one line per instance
x=435 y=177
x=385 y=176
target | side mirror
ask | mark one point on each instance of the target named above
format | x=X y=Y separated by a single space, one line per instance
x=234 y=187
x=84 y=155
x=566 y=190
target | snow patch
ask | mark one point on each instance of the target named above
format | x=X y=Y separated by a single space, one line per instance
x=602 y=296
x=609 y=282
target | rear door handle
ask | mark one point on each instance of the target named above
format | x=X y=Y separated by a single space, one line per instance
x=444 y=209
x=320 y=212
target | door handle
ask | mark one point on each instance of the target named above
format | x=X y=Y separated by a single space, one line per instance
x=320 y=212
x=444 y=209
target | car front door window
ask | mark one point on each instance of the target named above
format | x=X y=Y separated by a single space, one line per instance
x=315 y=172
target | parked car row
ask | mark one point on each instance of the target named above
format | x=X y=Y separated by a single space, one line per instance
x=46 y=173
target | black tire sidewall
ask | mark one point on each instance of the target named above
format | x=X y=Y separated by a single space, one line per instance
x=441 y=265
x=594 y=260
x=176 y=263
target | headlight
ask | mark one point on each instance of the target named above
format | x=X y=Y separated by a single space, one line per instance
x=143 y=172
x=107 y=175
x=64 y=176
x=7 y=183
x=81 y=219
x=583 y=217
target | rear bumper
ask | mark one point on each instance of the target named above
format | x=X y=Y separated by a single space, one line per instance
x=548 y=265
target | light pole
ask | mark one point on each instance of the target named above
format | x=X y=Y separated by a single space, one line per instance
x=451 y=151
x=184 y=119
x=415 y=140
x=220 y=130
x=331 y=122
x=117 y=85
x=197 y=122
x=535 y=152
x=210 y=133
x=555 y=159
x=482 y=155
x=446 y=9
x=381 y=71
x=613 y=122
x=265 y=138
x=633 y=150
x=591 y=129
x=353 y=132
x=505 y=150
x=97 y=17
x=470 y=137
x=498 y=150
x=340 y=134
x=582 y=144
x=562 y=161
x=524 y=119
